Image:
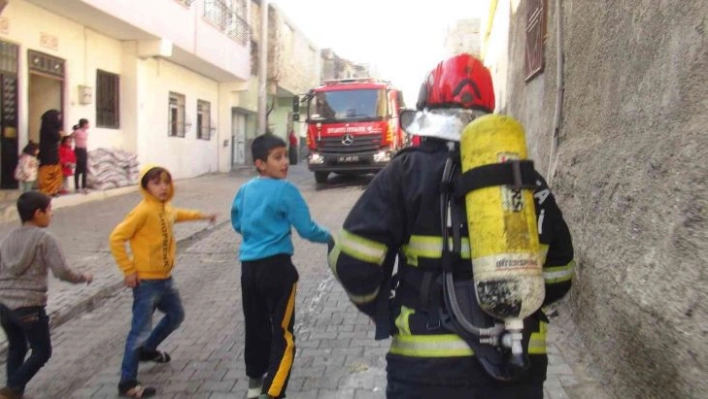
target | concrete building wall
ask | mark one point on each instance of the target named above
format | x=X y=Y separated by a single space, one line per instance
x=464 y=36
x=145 y=77
x=629 y=173
x=296 y=69
x=186 y=27
x=83 y=50
x=184 y=156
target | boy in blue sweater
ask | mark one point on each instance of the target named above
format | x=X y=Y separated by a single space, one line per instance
x=264 y=211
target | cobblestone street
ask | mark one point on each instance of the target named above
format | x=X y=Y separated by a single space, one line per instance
x=336 y=357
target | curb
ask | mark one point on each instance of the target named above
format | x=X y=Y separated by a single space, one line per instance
x=8 y=210
x=61 y=316
x=9 y=213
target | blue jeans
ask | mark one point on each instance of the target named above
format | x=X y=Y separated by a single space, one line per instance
x=23 y=327
x=148 y=296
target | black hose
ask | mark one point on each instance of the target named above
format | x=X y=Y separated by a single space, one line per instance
x=451 y=302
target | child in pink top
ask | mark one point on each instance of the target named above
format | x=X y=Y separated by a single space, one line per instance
x=80 y=149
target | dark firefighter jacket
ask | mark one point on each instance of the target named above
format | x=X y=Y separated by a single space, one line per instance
x=398 y=216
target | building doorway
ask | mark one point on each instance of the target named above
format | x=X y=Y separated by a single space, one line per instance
x=9 y=144
x=46 y=89
x=238 y=139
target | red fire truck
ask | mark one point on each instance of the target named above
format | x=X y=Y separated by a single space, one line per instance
x=352 y=126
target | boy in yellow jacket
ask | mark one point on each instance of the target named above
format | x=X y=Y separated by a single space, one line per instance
x=148 y=228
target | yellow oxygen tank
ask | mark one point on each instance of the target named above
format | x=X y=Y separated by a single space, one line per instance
x=502 y=228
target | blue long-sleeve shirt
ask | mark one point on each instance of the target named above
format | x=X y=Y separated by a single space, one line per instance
x=264 y=211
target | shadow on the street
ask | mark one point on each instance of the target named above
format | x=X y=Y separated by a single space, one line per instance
x=336 y=181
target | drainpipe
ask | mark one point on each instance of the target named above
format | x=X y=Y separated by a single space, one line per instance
x=262 y=69
x=559 y=91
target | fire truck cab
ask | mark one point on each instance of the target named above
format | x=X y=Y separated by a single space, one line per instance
x=352 y=126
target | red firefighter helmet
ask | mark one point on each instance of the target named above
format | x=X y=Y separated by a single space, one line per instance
x=461 y=81
x=456 y=92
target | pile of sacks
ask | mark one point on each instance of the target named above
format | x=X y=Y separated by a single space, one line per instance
x=111 y=168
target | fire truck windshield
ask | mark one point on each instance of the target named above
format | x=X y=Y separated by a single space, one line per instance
x=348 y=105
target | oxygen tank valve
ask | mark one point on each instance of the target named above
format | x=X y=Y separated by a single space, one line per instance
x=512 y=339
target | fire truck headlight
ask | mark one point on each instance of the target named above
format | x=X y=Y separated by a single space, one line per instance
x=316 y=158
x=382 y=156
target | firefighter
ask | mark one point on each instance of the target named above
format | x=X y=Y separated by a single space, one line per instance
x=397 y=220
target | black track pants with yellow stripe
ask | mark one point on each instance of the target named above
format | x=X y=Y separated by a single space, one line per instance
x=268 y=287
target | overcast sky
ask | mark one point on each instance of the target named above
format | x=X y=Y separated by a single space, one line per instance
x=404 y=38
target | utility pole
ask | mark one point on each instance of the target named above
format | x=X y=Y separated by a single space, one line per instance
x=262 y=70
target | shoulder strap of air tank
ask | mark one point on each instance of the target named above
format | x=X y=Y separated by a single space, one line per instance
x=515 y=174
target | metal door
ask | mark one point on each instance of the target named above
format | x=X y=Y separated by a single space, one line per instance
x=9 y=144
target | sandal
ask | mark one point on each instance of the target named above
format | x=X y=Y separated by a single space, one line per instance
x=154 y=356
x=135 y=390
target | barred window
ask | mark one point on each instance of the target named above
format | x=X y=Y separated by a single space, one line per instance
x=107 y=100
x=176 y=115
x=535 y=37
x=203 y=120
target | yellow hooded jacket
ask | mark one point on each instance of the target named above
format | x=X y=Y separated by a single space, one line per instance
x=148 y=227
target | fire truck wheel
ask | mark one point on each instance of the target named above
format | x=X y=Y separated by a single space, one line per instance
x=321 y=177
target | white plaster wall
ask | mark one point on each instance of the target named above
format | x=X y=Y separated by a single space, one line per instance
x=129 y=94
x=183 y=26
x=184 y=157
x=105 y=54
x=83 y=51
x=219 y=49
x=144 y=88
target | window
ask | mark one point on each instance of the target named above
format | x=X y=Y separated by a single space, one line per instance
x=107 y=100
x=535 y=35
x=176 y=115
x=203 y=120
x=349 y=105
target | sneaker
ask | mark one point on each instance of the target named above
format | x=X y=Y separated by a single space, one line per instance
x=133 y=389
x=255 y=385
x=156 y=356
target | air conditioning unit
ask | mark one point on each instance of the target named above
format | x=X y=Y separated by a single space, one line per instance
x=85 y=95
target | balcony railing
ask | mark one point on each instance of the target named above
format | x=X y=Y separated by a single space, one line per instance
x=228 y=20
x=186 y=2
